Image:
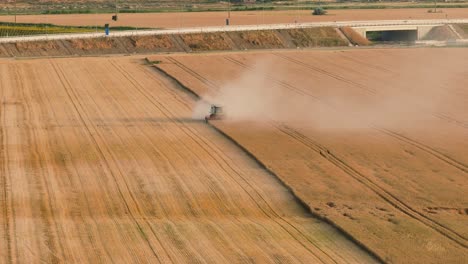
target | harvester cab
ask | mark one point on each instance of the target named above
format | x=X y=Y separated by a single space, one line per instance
x=216 y=113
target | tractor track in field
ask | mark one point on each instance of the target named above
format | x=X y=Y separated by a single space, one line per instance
x=96 y=138
x=380 y=191
x=193 y=73
x=139 y=210
x=441 y=156
x=327 y=73
x=3 y=177
x=54 y=244
x=271 y=78
x=372 y=92
x=266 y=208
x=178 y=183
x=181 y=182
x=369 y=65
x=451 y=120
x=377 y=189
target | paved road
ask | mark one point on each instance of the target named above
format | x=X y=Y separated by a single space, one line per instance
x=236 y=28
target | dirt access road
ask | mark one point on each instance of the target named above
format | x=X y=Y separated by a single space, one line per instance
x=374 y=140
x=101 y=162
x=198 y=19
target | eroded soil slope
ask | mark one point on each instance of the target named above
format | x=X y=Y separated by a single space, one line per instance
x=102 y=162
x=373 y=140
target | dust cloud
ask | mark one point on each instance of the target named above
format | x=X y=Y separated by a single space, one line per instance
x=407 y=96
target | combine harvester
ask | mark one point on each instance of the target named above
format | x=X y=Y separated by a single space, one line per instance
x=216 y=113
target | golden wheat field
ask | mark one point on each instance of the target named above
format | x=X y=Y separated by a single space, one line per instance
x=103 y=162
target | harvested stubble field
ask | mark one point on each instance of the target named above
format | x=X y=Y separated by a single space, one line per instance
x=101 y=161
x=375 y=141
x=195 y=19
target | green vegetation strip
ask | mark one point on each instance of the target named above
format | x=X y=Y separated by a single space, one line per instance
x=306 y=5
x=23 y=29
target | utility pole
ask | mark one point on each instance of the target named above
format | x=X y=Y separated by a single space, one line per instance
x=115 y=17
x=228 y=20
x=15 y=11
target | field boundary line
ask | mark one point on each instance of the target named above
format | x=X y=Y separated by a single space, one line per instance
x=278 y=178
x=189 y=132
x=441 y=156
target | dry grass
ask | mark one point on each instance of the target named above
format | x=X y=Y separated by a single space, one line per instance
x=261 y=38
x=152 y=42
x=464 y=29
x=316 y=37
x=37 y=46
x=440 y=33
x=93 y=44
x=206 y=42
x=355 y=37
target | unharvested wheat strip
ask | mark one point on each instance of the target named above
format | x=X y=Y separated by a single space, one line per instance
x=88 y=230
x=55 y=174
x=23 y=177
x=79 y=147
x=121 y=183
x=47 y=179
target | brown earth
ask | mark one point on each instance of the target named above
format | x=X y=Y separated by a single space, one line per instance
x=440 y=33
x=152 y=42
x=102 y=162
x=316 y=37
x=176 y=43
x=462 y=29
x=206 y=42
x=192 y=19
x=372 y=140
x=354 y=37
x=92 y=44
x=261 y=39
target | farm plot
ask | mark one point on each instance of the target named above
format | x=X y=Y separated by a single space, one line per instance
x=102 y=162
x=373 y=140
x=198 y=19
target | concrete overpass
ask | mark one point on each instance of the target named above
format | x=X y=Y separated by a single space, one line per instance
x=422 y=27
x=409 y=32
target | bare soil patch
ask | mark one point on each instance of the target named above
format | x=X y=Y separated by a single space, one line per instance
x=206 y=41
x=93 y=44
x=261 y=39
x=354 y=37
x=152 y=42
x=440 y=33
x=316 y=37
